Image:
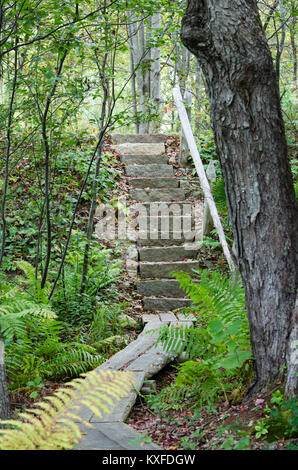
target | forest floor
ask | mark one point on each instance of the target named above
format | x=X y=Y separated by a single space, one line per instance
x=216 y=427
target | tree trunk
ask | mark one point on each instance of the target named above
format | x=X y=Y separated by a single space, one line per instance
x=294 y=49
x=132 y=32
x=228 y=39
x=4 y=399
x=155 y=70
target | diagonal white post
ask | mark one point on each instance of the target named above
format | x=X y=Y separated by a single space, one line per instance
x=202 y=175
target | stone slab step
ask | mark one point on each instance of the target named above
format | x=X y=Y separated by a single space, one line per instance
x=153 y=208
x=138 y=138
x=165 y=304
x=160 y=287
x=160 y=171
x=123 y=407
x=170 y=253
x=144 y=159
x=133 y=350
x=137 y=148
x=152 y=361
x=164 y=269
x=152 y=195
x=192 y=187
x=113 y=436
x=175 y=238
x=162 y=226
x=142 y=183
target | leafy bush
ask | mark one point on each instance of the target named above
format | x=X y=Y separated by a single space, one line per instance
x=33 y=337
x=70 y=303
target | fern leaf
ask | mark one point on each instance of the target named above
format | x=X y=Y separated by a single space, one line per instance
x=58 y=430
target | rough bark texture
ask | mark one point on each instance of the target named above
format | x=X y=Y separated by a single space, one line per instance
x=4 y=400
x=228 y=39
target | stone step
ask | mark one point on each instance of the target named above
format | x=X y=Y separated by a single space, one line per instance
x=159 y=171
x=165 y=304
x=169 y=253
x=142 y=183
x=160 y=287
x=113 y=437
x=138 y=138
x=144 y=159
x=175 y=238
x=162 y=209
x=174 y=223
x=161 y=270
x=156 y=207
x=192 y=187
x=140 y=148
x=153 y=195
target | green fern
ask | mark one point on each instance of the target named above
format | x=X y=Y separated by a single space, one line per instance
x=19 y=305
x=29 y=271
x=219 y=195
x=51 y=425
x=173 y=397
x=219 y=346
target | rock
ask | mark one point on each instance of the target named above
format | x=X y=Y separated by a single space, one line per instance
x=152 y=195
x=142 y=183
x=143 y=159
x=138 y=138
x=160 y=287
x=140 y=148
x=164 y=269
x=165 y=304
x=159 y=171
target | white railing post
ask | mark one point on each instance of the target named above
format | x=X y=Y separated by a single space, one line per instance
x=207 y=218
x=202 y=175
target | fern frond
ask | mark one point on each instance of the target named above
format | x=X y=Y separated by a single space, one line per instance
x=53 y=427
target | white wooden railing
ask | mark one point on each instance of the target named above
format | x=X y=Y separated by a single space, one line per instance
x=209 y=201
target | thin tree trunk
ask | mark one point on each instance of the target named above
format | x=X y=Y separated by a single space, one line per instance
x=7 y=157
x=4 y=398
x=132 y=32
x=90 y=225
x=294 y=49
x=280 y=43
x=47 y=170
x=155 y=71
x=228 y=39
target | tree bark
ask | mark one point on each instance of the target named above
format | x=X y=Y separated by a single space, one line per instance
x=155 y=71
x=4 y=399
x=228 y=39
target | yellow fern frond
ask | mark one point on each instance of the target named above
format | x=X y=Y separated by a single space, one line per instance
x=51 y=424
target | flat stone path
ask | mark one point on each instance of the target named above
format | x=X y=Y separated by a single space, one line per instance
x=144 y=359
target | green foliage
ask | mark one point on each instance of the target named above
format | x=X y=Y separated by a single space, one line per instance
x=218 y=347
x=21 y=306
x=231 y=444
x=70 y=303
x=172 y=397
x=43 y=354
x=219 y=194
x=52 y=423
x=34 y=345
x=282 y=420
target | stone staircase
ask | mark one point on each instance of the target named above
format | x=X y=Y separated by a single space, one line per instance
x=165 y=240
